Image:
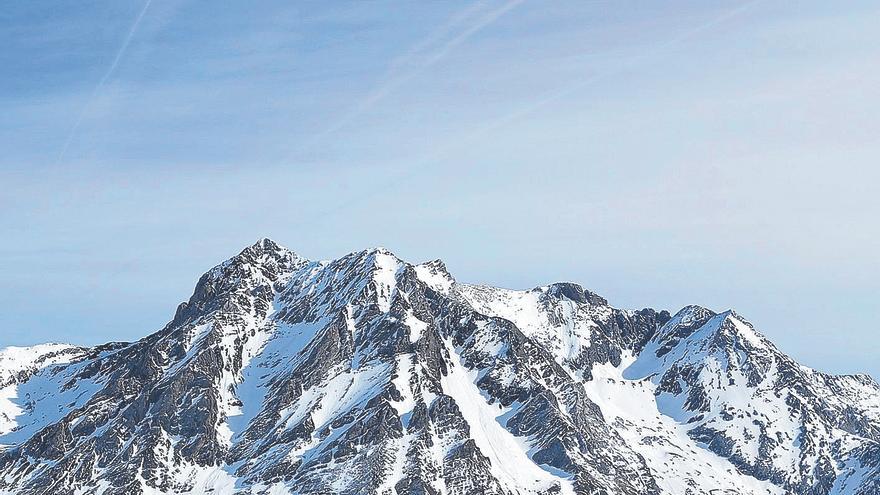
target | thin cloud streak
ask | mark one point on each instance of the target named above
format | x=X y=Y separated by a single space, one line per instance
x=525 y=110
x=397 y=77
x=107 y=74
x=434 y=37
x=556 y=94
x=487 y=20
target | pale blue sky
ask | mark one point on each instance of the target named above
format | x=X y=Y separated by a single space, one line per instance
x=659 y=153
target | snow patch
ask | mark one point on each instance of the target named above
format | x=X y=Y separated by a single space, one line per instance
x=507 y=455
x=677 y=461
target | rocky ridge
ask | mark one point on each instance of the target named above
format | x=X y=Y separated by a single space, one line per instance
x=367 y=374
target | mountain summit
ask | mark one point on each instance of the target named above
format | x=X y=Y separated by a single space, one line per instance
x=370 y=375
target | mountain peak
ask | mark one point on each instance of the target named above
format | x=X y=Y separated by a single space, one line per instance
x=280 y=373
x=693 y=312
x=694 y=319
x=576 y=293
x=370 y=256
x=379 y=250
x=266 y=254
x=266 y=247
x=267 y=243
x=435 y=274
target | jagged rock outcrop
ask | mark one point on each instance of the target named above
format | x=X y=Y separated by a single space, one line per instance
x=367 y=374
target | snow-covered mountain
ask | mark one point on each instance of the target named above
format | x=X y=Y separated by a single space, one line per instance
x=367 y=374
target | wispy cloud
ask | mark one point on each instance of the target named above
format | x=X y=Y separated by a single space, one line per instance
x=107 y=74
x=558 y=93
x=426 y=53
x=413 y=171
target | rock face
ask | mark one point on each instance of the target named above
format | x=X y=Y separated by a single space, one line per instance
x=367 y=374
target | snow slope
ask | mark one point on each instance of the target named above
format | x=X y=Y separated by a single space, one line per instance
x=368 y=374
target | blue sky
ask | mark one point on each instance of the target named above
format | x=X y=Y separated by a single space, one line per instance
x=659 y=153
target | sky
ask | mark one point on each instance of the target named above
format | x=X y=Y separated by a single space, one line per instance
x=721 y=153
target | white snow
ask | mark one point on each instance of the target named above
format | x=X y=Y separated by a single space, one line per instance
x=337 y=395
x=655 y=426
x=507 y=455
x=561 y=326
x=404 y=371
x=394 y=471
x=385 y=276
x=416 y=326
x=15 y=360
x=630 y=407
x=43 y=400
x=734 y=404
x=434 y=278
x=282 y=351
x=852 y=475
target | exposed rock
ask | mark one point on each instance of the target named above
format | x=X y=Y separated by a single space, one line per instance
x=367 y=374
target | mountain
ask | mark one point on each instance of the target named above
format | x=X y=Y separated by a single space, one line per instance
x=367 y=374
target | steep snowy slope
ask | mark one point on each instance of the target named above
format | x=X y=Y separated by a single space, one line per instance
x=367 y=374
x=17 y=366
x=748 y=402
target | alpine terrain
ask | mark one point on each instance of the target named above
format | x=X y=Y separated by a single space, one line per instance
x=370 y=375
